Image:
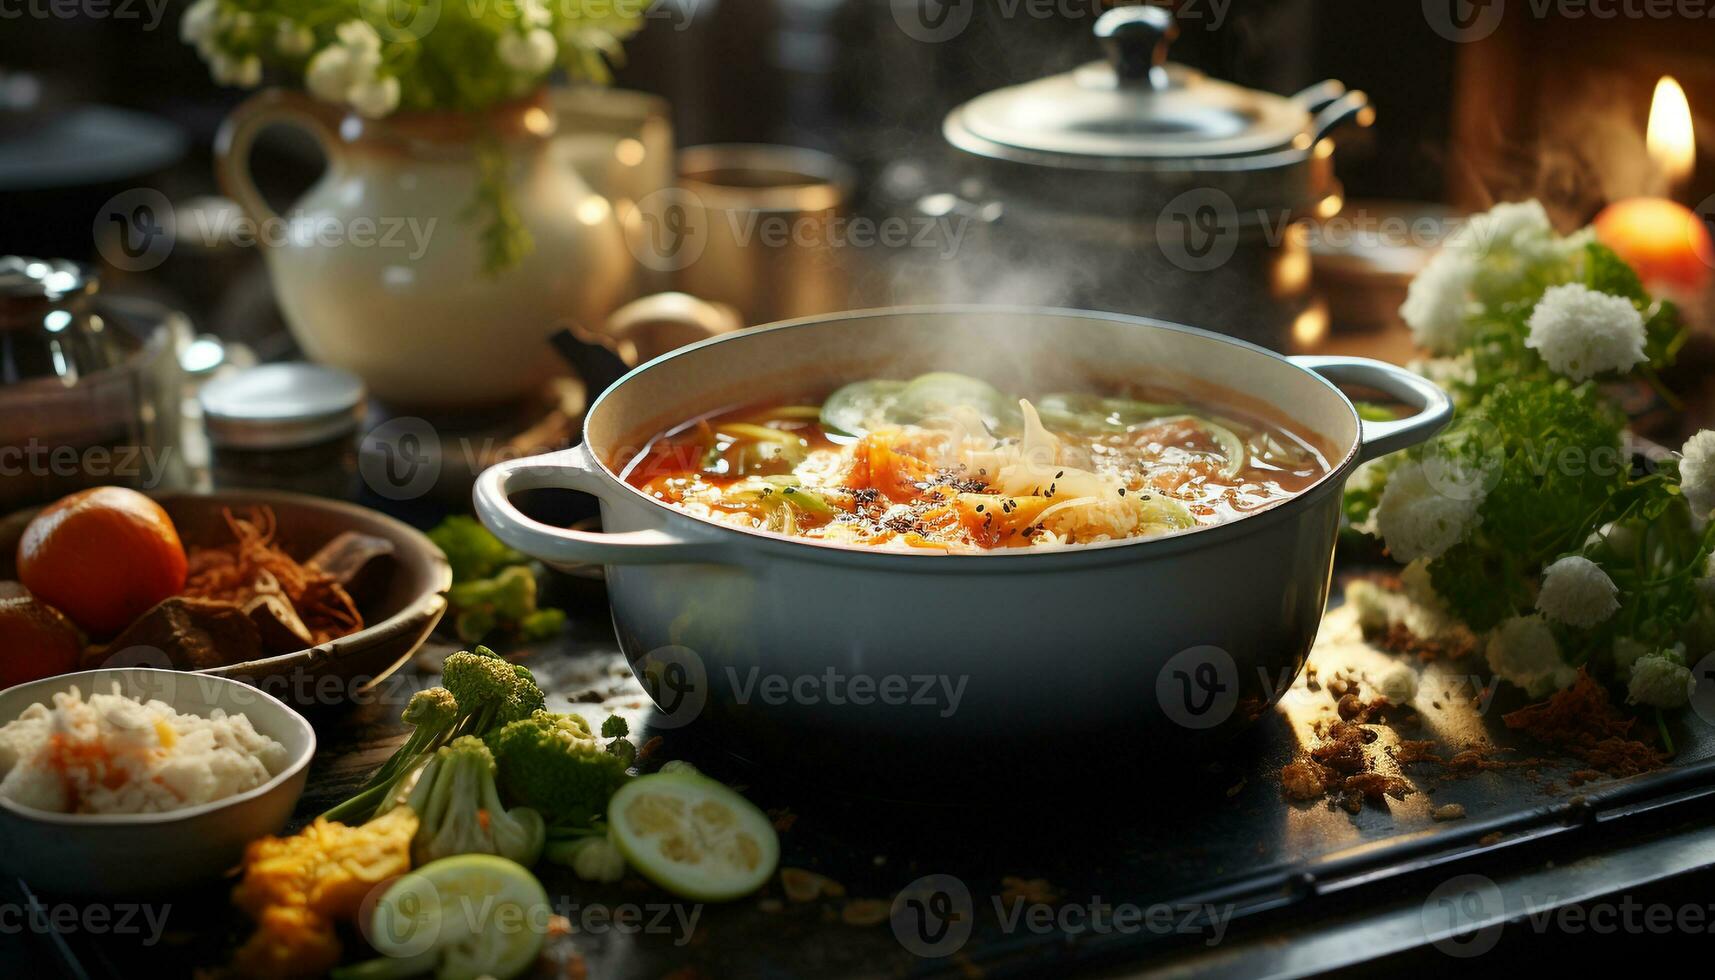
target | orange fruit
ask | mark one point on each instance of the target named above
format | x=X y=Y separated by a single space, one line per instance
x=36 y=640
x=102 y=556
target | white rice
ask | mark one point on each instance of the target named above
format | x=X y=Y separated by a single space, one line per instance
x=114 y=754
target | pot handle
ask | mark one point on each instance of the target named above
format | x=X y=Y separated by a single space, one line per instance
x=572 y=469
x=1351 y=107
x=1434 y=408
x=237 y=135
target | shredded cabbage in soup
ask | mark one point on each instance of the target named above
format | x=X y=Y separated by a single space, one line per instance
x=947 y=463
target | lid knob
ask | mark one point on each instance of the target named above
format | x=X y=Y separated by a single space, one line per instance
x=1135 y=39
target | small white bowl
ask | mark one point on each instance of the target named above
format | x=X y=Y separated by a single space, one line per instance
x=89 y=855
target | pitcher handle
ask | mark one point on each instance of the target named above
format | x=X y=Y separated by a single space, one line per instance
x=237 y=136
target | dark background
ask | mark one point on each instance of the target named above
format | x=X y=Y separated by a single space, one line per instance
x=835 y=74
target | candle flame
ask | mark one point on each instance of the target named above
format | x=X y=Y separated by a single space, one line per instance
x=1671 y=141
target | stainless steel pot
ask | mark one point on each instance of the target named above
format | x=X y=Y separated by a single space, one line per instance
x=784 y=646
x=1141 y=186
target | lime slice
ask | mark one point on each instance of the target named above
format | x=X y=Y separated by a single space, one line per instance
x=469 y=916
x=693 y=836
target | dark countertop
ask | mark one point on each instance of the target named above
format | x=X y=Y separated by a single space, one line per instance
x=1209 y=870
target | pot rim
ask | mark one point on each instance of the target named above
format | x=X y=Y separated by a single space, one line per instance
x=1172 y=543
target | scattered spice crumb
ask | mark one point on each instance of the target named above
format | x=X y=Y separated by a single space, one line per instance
x=1035 y=891
x=1448 y=811
x=1236 y=788
x=1490 y=839
x=783 y=818
x=770 y=905
x=865 y=912
x=1583 y=721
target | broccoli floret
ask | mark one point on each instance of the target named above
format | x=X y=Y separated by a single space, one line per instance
x=555 y=764
x=482 y=692
x=592 y=858
x=490 y=691
x=471 y=550
x=459 y=812
x=508 y=599
x=615 y=727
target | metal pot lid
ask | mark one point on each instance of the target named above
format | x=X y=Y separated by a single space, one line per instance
x=1134 y=109
x=281 y=406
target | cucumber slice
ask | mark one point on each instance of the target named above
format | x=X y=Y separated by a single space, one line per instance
x=939 y=392
x=860 y=406
x=693 y=836
x=1095 y=414
x=463 y=917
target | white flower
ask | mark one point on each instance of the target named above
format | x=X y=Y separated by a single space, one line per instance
x=1447 y=372
x=359 y=37
x=1697 y=473
x=1576 y=591
x=198 y=23
x=1582 y=333
x=1438 y=300
x=293 y=40
x=1506 y=227
x=1399 y=684
x=330 y=74
x=243 y=72
x=1522 y=651
x=1661 y=680
x=1706 y=583
x=535 y=13
x=530 y=53
x=375 y=97
x=1416 y=520
x=1627 y=651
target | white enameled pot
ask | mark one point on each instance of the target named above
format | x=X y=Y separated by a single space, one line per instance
x=783 y=647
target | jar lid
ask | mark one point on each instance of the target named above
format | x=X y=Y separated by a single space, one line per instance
x=281 y=406
x=1134 y=108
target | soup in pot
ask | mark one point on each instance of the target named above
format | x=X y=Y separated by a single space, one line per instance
x=944 y=462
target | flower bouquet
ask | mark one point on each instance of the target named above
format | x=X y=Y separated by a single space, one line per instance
x=1529 y=521
x=378 y=57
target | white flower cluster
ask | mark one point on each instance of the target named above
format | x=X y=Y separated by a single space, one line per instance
x=348 y=72
x=1697 y=474
x=1487 y=259
x=531 y=50
x=1660 y=679
x=1418 y=520
x=1523 y=651
x=1439 y=299
x=1576 y=591
x=204 y=25
x=1582 y=333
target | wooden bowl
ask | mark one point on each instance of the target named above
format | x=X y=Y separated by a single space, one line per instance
x=400 y=610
